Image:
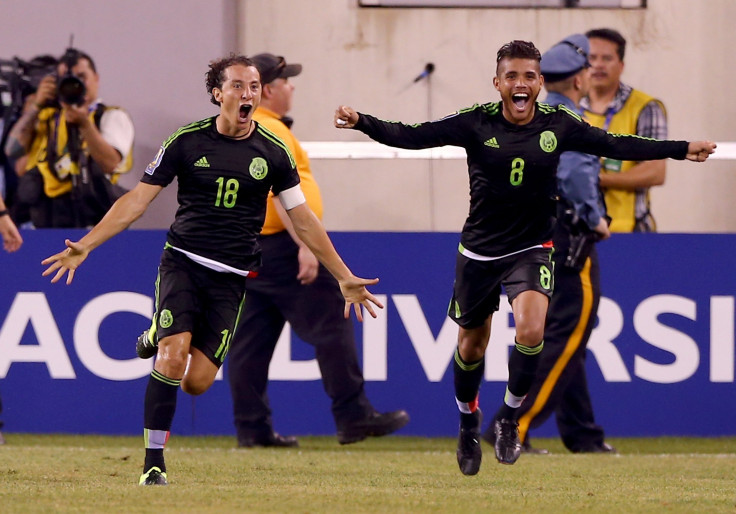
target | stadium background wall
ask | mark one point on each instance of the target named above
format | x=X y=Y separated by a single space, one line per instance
x=661 y=358
x=368 y=57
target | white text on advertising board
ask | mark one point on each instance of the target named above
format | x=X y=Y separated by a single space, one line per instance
x=31 y=315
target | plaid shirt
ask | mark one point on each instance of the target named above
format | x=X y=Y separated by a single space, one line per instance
x=652 y=120
x=652 y=123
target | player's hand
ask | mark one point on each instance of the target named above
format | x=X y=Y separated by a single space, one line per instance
x=308 y=266
x=346 y=117
x=355 y=293
x=699 y=151
x=65 y=261
x=10 y=235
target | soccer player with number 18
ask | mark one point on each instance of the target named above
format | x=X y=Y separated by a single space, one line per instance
x=225 y=167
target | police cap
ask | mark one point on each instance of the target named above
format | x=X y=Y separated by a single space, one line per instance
x=566 y=58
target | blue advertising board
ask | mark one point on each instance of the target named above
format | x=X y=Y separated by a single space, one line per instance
x=660 y=361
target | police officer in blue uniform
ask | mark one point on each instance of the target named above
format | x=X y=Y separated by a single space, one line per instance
x=561 y=386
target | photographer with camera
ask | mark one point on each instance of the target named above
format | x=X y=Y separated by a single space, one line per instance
x=76 y=147
x=560 y=386
x=19 y=80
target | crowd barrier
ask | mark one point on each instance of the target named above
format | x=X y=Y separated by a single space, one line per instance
x=660 y=361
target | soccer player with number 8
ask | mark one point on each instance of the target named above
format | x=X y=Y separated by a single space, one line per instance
x=513 y=149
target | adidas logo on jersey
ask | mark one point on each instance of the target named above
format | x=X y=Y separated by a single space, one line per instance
x=202 y=162
x=492 y=143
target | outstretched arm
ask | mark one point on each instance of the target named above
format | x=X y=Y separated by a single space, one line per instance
x=699 y=151
x=450 y=130
x=346 y=117
x=124 y=211
x=584 y=138
x=310 y=230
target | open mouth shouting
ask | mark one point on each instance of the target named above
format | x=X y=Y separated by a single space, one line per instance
x=243 y=112
x=520 y=101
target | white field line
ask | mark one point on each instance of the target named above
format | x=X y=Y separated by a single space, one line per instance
x=9 y=448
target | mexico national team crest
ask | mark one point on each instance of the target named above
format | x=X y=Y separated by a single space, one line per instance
x=548 y=141
x=258 y=168
x=166 y=319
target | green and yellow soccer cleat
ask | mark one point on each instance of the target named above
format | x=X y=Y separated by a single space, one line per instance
x=146 y=346
x=153 y=476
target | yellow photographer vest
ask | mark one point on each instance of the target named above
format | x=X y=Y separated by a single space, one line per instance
x=626 y=208
x=52 y=129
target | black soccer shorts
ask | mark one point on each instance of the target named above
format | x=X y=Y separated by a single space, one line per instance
x=477 y=288
x=196 y=299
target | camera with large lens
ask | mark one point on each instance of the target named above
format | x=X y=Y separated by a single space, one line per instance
x=19 y=78
x=71 y=89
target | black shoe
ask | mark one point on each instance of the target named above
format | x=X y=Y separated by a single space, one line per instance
x=145 y=347
x=375 y=425
x=153 y=476
x=596 y=448
x=272 y=440
x=507 y=445
x=469 y=452
x=526 y=447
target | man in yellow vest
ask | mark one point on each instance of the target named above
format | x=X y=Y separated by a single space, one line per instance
x=621 y=109
x=75 y=147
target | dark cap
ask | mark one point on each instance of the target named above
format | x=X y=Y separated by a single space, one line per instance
x=272 y=67
x=566 y=58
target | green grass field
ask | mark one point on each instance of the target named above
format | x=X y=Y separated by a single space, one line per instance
x=60 y=473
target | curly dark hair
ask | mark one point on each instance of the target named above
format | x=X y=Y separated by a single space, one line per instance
x=518 y=49
x=215 y=76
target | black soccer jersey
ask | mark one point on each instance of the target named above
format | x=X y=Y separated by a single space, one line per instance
x=222 y=191
x=512 y=167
